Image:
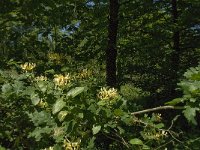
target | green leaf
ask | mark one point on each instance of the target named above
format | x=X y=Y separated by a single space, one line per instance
x=190 y=114
x=192 y=88
x=65 y=69
x=196 y=76
x=174 y=101
x=91 y=143
x=38 y=132
x=102 y=103
x=83 y=42
x=121 y=130
x=160 y=125
x=2 y=148
x=57 y=147
x=193 y=100
x=51 y=71
x=92 y=108
x=58 y=106
x=18 y=87
x=6 y=88
x=118 y=112
x=136 y=141
x=42 y=86
x=75 y=91
x=80 y=115
x=35 y=98
x=29 y=90
x=145 y=147
x=41 y=118
x=96 y=129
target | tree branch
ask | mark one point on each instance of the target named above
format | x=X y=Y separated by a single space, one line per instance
x=155 y=109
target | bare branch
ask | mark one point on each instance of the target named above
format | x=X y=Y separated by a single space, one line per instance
x=155 y=109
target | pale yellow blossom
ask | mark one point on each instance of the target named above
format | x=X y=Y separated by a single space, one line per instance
x=50 y=148
x=42 y=104
x=41 y=78
x=55 y=57
x=158 y=117
x=156 y=136
x=61 y=80
x=68 y=145
x=28 y=66
x=58 y=131
x=107 y=94
x=85 y=73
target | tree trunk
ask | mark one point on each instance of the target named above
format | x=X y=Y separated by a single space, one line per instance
x=175 y=57
x=111 y=51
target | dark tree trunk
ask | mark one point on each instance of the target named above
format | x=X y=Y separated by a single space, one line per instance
x=175 y=57
x=111 y=51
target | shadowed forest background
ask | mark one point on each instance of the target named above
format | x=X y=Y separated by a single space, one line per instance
x=99 y=74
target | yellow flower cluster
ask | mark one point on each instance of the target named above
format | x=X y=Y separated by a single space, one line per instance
x=28 y=66
x=107 y=94
x=42 y=104
x=158 y=117
x=71 y=145
x=58 y=131
x=55 y=57
x=84 y=74
x=160 y=134
x=41 y=78
x=50 y=148
x=61 y=80
x=62 y=115
x=156 y=136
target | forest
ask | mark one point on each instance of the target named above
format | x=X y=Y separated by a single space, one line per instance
x=99 y=75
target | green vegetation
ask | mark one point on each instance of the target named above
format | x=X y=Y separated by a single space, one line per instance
x=99 y=75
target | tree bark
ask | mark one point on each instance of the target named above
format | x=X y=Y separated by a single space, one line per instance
x=111 y=51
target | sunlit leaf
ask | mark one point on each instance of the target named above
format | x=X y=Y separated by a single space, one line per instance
x=35 y=98
x=96 y=129
x=58 y=106
x=75 y=91
x=102 y=103
x=136 y=141
x=160 y=125
x=145 y=147
x=62 y=115
x=174 y=101
x=190 y=114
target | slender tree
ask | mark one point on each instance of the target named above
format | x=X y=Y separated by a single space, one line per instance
x=111 y=51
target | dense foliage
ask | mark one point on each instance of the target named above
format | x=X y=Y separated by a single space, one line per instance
x=90 y=74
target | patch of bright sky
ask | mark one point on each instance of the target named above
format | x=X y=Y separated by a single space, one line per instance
x=90 y=4
x=65 y=30
x=196 y=27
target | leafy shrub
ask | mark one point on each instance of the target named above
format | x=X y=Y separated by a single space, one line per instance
x=190 y=86
x=70 y=111
x=131 y=92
